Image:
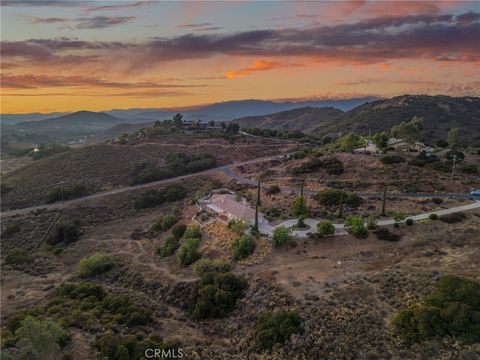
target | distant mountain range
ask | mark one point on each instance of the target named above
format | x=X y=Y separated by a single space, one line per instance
x=326 y=117
x=440 y=114
x=88 y=126
x=223 y=111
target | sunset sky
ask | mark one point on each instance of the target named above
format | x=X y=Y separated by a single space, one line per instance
x=97 y=55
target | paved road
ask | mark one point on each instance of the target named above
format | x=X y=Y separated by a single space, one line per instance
x=226 y=169
x=266 y=228
x=58 y=205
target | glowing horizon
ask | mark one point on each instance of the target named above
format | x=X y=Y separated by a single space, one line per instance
x=100 y=55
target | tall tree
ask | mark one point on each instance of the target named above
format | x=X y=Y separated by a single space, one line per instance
x=38 y=339
x=454 y=139
x=299 y=205
x=177 y=120
x=380 y=140
x=410 y=131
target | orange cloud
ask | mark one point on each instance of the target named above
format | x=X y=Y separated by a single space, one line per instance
x=258 y=65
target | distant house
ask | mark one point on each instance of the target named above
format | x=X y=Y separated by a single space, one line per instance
x=230 y=206
x=397 y=144
x=401 y=145
x=368 y=148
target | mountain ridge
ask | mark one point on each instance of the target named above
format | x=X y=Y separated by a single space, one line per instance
x=440 y=114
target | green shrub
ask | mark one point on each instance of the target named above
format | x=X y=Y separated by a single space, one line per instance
x=276 y=328
x=193 y=232
x=204 y=266
x=144 y=172
x=441 y=166
x=450 y=310
x=188 y=252
x=18 y=257
x=300 y=154
x=399 y=216
x=469 y=169
x=5 y=189
x=181 y=163
x=170 y=246
x=281 y=236
x=333 y=166
x=215 y=295
x=65 y=231
x=10 y=230
x=153 y=198
x=453 y=218
x=272 y=190
x=349 y=142
x=386 y=235
x=332 y=197
x=371 y=222
x=299 y=206
x=178 y=231
x=174 y=192
x=308 y=167
x=243 y=246
x=433 y=217
x=66 y=193
x=409 y=222
x=164 y=223
x=325 y=228
x=116 y=347
x=39 y=339
x=392 y=159
x=356 y=226
x=94 y=265
x=238 y=226
x=441 y=143
x=149 y=198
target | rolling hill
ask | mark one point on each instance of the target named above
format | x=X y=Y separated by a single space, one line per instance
x=440 y=114
x=302 y=119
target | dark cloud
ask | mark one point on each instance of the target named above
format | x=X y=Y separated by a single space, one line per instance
x=437 y=37
x=426 y=36
x=200 y=27
x=193 y=26
x=99 y=22
x=43 y=3
x=32 y=81
x=49 y=20
x=209 y=28
x=134 y=94
x=120 y=6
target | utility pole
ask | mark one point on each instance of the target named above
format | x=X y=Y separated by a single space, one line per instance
x=340 y=207
x=455 y=158
x=258 y=193
x=255 y=226
x=383 y=201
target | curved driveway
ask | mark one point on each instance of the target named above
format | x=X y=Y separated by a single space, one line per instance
x=267 y=229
